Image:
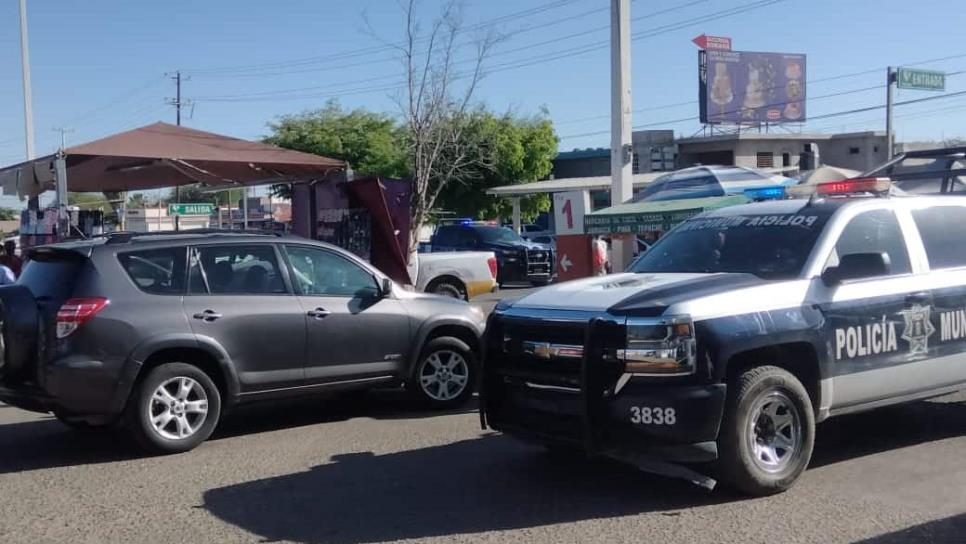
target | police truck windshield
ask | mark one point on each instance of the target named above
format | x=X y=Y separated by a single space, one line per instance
x=499 y=235
x=771 y=247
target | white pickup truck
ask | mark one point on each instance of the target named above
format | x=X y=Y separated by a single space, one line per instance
x=457 y=274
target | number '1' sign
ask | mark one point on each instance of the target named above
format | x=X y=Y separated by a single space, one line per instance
x=568 y=211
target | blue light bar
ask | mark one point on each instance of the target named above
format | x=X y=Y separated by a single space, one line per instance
x=765 y=193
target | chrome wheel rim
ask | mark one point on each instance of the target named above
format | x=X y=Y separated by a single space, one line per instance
x=178 y=408
x=443 y=375
x=774 y=432
x=447 y=290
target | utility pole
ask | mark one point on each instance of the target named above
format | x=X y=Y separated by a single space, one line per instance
x=890 y=81
x=621 y=171
x=28 y=107
x=177 y=96
x=64 y=131
x=177 y=112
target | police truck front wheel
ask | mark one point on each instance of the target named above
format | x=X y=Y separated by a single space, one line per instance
x=768 y=431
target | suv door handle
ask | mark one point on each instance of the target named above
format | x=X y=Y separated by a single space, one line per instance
x=919 y=297
x=318 y=313
x=207 y=315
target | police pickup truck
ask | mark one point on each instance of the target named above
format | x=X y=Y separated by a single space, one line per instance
x=739 y=331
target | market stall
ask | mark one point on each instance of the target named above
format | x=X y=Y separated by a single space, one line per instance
x=153 y=157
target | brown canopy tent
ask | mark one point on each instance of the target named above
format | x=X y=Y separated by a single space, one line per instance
x=164 y=155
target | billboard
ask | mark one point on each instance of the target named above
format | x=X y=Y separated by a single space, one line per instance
x=743 y=87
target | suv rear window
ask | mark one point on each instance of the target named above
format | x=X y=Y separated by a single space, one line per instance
x=156 y=271
x=51 y=277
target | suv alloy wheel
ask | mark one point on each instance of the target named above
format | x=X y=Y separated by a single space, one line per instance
x=445 y=373
x=174 y=409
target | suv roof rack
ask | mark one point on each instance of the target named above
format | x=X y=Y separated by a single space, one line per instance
x=124 y=237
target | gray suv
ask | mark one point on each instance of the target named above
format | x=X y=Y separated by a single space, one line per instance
x=166 y=333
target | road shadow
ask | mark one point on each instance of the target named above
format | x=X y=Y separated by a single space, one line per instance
x=390 y=404
x=492 y=483
x=47 y=443
x=853 y=436
x=951 y=530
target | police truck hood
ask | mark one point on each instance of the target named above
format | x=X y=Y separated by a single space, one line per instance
x=629 y=292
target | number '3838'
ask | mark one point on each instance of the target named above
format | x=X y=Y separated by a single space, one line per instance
x=648 y=415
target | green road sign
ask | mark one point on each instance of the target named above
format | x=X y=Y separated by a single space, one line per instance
x=191 y=209
x=922 y=80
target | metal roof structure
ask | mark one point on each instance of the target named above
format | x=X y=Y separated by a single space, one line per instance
x=164 y=155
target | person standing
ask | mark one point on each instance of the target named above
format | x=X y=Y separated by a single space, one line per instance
x=10 y=260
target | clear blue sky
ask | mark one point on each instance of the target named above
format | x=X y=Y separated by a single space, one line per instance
x=98 y=65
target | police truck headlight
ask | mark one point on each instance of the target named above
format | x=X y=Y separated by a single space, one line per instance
x=659 y=347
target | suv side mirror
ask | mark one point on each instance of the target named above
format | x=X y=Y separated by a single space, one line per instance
x=385 y=287
x=856 y=266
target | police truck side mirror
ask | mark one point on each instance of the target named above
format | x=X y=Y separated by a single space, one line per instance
x=857 y=266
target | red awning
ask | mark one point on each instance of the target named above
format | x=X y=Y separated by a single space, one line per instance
x=164 y=155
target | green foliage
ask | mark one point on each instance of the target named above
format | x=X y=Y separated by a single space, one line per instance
x=502 y=149
x=370 y=142
x=137 y=200
x=190 y=194
x=90 y=201
x=510 y=150
x=9 y=214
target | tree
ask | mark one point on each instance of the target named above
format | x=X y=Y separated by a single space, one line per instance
x=137 y=200
x=372 y=143
x=437 y=107
x=9 y=214
x=191 y=194
x=513 y=150
x=90 y=201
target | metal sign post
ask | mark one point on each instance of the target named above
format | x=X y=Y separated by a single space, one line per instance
x=890 y=79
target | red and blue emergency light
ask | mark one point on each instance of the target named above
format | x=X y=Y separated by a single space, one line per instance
x=854 y=186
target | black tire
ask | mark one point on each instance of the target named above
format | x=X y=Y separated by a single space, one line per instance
x=429 y=394
x=142 y=406
x=448 y=288
x=753 y=394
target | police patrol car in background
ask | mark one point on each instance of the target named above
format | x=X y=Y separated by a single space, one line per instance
x=739 y=331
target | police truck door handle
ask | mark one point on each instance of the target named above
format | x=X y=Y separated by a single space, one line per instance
x=318 y=313
x=207 y=315
x=918 y=298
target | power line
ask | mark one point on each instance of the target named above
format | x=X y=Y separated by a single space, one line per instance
x=810 y=119
x=376 y=49
x=283 y=94
x=527 y=48
x=809 y=82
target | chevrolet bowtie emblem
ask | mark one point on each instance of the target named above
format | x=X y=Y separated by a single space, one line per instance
x=546 y=350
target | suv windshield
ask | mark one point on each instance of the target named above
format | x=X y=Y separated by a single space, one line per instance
x=768 y=246
x=498 y=234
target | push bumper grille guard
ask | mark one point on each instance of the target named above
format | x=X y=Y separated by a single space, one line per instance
x=593 y=387
x=592 y=384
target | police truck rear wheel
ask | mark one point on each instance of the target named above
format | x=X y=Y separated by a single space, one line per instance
x=768 y=431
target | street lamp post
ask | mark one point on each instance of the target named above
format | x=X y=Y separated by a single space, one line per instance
x=28 y=108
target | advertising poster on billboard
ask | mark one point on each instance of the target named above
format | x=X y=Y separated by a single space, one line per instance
x=744 y=87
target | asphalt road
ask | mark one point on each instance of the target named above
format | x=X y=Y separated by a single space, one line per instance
x=376 y=469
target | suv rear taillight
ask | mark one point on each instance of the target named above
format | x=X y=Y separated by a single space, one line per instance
x=492 y=262
x=77 y=311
